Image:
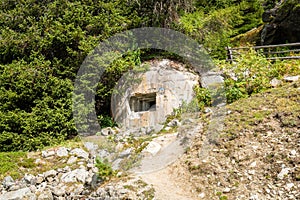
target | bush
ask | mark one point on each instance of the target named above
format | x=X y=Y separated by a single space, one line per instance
x=252 y=73
x=216 y=25
x=35 y=106
x=105 y=169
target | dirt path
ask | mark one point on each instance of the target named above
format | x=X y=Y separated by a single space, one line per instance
x=167 y=187
x=160 y=169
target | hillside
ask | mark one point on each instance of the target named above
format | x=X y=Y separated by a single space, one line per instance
x=253 y=154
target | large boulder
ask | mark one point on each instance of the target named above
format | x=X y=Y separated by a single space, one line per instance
x=282 y=23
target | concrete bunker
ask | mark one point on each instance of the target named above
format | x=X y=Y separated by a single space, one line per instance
x=143 y=102
x=146 y=101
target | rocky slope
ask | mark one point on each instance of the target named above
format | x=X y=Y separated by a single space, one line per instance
x=282 y=23
x=257 y=155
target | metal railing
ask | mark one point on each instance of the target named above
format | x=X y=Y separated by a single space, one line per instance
x=272 y=52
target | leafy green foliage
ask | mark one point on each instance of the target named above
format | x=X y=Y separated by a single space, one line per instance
x=213 y=26
x=105 y=169
x=203 y=97
x=35 y=106
x=43 y=44
x=252 y=74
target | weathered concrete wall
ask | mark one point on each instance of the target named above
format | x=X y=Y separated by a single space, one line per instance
x=155 y=94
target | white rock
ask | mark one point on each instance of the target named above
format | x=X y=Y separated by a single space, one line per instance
x=125 y=153
x=107 y=131
x=174 y=123
x=293 y=152
x=62 y=152
x=72 y=160
x=74 y=176
x=275 y=82
x=80 y=153
x=168 y=128
x=50 y=173
x=47 y=154
x=153 y=148
x=289 y=186
x=59 y=190
x=252 y=165
x=226 y=190
x=24 y=193
x=254 y=197
x=284 y=172
x=251 y=172
x=201 y=195
x=291 y=78
x=46 y=195
x=91 y=147
x=116 y=164
x=29 y=178
x=8 y=181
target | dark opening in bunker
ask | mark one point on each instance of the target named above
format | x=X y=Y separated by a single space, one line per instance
x=143 y=102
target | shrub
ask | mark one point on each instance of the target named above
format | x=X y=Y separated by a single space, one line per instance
x=252 y=73
x=105 y=169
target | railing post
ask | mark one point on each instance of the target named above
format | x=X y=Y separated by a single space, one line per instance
x=229 y=56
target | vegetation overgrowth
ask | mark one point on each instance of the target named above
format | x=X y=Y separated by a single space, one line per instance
x=43 y=43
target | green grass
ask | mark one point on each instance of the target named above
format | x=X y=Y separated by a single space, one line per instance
x=281 y=104
x=15 y=164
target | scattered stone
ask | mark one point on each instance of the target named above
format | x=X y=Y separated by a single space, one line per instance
x=116 y=164
x=168 y=128
x=125 y=153
x=71 y=160
x=207 y=110
x=46 y=195
x=291 y=78
x=174 y=123
x=201 y=195
x=59 y=191
x=293 y=152
x=50 y=173
x=80 y=153
x=24 y=193
x=8 y=181
x=153 y=148
x=226 y=190
x=30 y=179
x=62 y=152
x=47 y=154
x=275 y=82
x=91 y=147
x=252 y=165
x=103 y=154
x=39 y=179
x=254 y=197
x=251 y=172
x=107 y=131
x=75 y=175
x=284 y=172
x=289 y=186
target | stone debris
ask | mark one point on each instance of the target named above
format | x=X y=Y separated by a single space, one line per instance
x=275 y=82
x=62 y=152
x=80 y=153
x=291 y=78
x=284 y=172
x=67 y=184
x=152 y=148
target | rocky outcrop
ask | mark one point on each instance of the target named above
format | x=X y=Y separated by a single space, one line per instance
x=78 y=180
x=282 y=23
